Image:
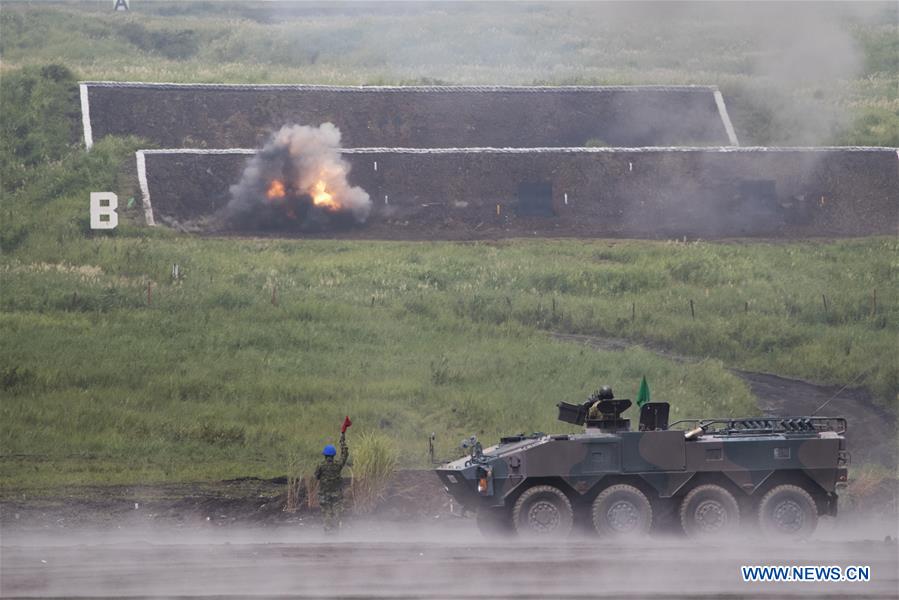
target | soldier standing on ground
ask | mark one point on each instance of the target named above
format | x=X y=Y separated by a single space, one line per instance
x=330 y=482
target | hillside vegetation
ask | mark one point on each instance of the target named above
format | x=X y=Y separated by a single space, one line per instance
x=792 y=73
x=111 y=370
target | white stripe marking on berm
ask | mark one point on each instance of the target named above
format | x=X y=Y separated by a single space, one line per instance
x=86 y=117
x=725 y=118
x=144 y=187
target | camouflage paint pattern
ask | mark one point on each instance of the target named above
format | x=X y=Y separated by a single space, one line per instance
x=663 y=461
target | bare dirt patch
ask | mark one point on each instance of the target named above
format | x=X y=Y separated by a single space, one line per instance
x=248 y=501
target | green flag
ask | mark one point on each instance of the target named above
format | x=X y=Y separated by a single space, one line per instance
x=643 y=394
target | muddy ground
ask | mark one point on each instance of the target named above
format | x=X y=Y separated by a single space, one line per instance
x=377 y=560
x=248 y=502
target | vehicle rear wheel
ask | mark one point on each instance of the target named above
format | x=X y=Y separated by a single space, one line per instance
x=543 y=511
x=709 y=510
x=494 y=522
x=788 y=511
x=622 y=510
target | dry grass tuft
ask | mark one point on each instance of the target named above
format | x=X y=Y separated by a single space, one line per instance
x=374 y=461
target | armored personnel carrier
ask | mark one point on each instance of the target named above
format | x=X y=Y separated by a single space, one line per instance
x=706 y=476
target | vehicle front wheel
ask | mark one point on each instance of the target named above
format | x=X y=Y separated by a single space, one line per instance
x=709 y=510
x=543 y=512
x=622 y=510
x=788 y=511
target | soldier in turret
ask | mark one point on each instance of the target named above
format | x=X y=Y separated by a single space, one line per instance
x=330 y=483
x=604 y=393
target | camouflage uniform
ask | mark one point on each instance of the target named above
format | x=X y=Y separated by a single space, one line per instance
x=330 y=486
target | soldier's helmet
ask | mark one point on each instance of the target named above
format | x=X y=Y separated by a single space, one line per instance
x=329 y=450
x=605 y=393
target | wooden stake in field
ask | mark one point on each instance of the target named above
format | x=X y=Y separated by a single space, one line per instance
x=873 y=302
x=692 y=310
x=149 y=294
x=633 y=311
x=824 y=299
x=274 y=296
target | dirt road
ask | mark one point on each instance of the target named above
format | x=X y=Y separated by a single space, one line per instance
x=423 y=561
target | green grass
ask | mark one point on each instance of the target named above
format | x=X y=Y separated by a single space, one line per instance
x=212 y=380
x=408 y=338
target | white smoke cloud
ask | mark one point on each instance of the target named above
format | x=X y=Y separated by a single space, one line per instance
x=311 y=176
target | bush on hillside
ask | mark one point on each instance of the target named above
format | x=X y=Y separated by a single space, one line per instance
x=874 y=127
x=177 y=44
x=39 y=123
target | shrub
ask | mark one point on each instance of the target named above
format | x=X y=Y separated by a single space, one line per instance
x=40 y=107
x=176 y=45
x=15 y=377
x=874 y=127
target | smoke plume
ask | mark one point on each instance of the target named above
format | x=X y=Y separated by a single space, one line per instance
x=298 y=180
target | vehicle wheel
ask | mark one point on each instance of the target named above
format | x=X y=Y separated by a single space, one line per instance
x=788 y=511
x=494 y=522
x=622 y=510
x=543 y=511
x=709 y=510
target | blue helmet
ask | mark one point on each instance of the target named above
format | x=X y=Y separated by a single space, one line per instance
x=329 y=450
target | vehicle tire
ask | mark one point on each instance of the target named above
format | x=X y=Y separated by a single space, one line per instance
x=788 y=511
x=709 y=510
x=622 y=510
x=544 y=512
x=494 y=522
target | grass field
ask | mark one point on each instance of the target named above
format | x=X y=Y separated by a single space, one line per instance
x=247 y=364
x=211 y=379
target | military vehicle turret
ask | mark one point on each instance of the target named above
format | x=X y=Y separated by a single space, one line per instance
x=706 y=476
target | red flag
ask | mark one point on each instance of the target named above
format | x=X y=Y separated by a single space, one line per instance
x=346 y=423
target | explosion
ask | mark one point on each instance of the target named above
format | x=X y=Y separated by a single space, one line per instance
x=297 y=180
x=275 y=190
x=321 y=197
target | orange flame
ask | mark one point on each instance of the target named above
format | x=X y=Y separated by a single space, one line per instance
x=321 y=197
x=275 y=190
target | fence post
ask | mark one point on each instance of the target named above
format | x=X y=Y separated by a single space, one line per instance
x=692 y=310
